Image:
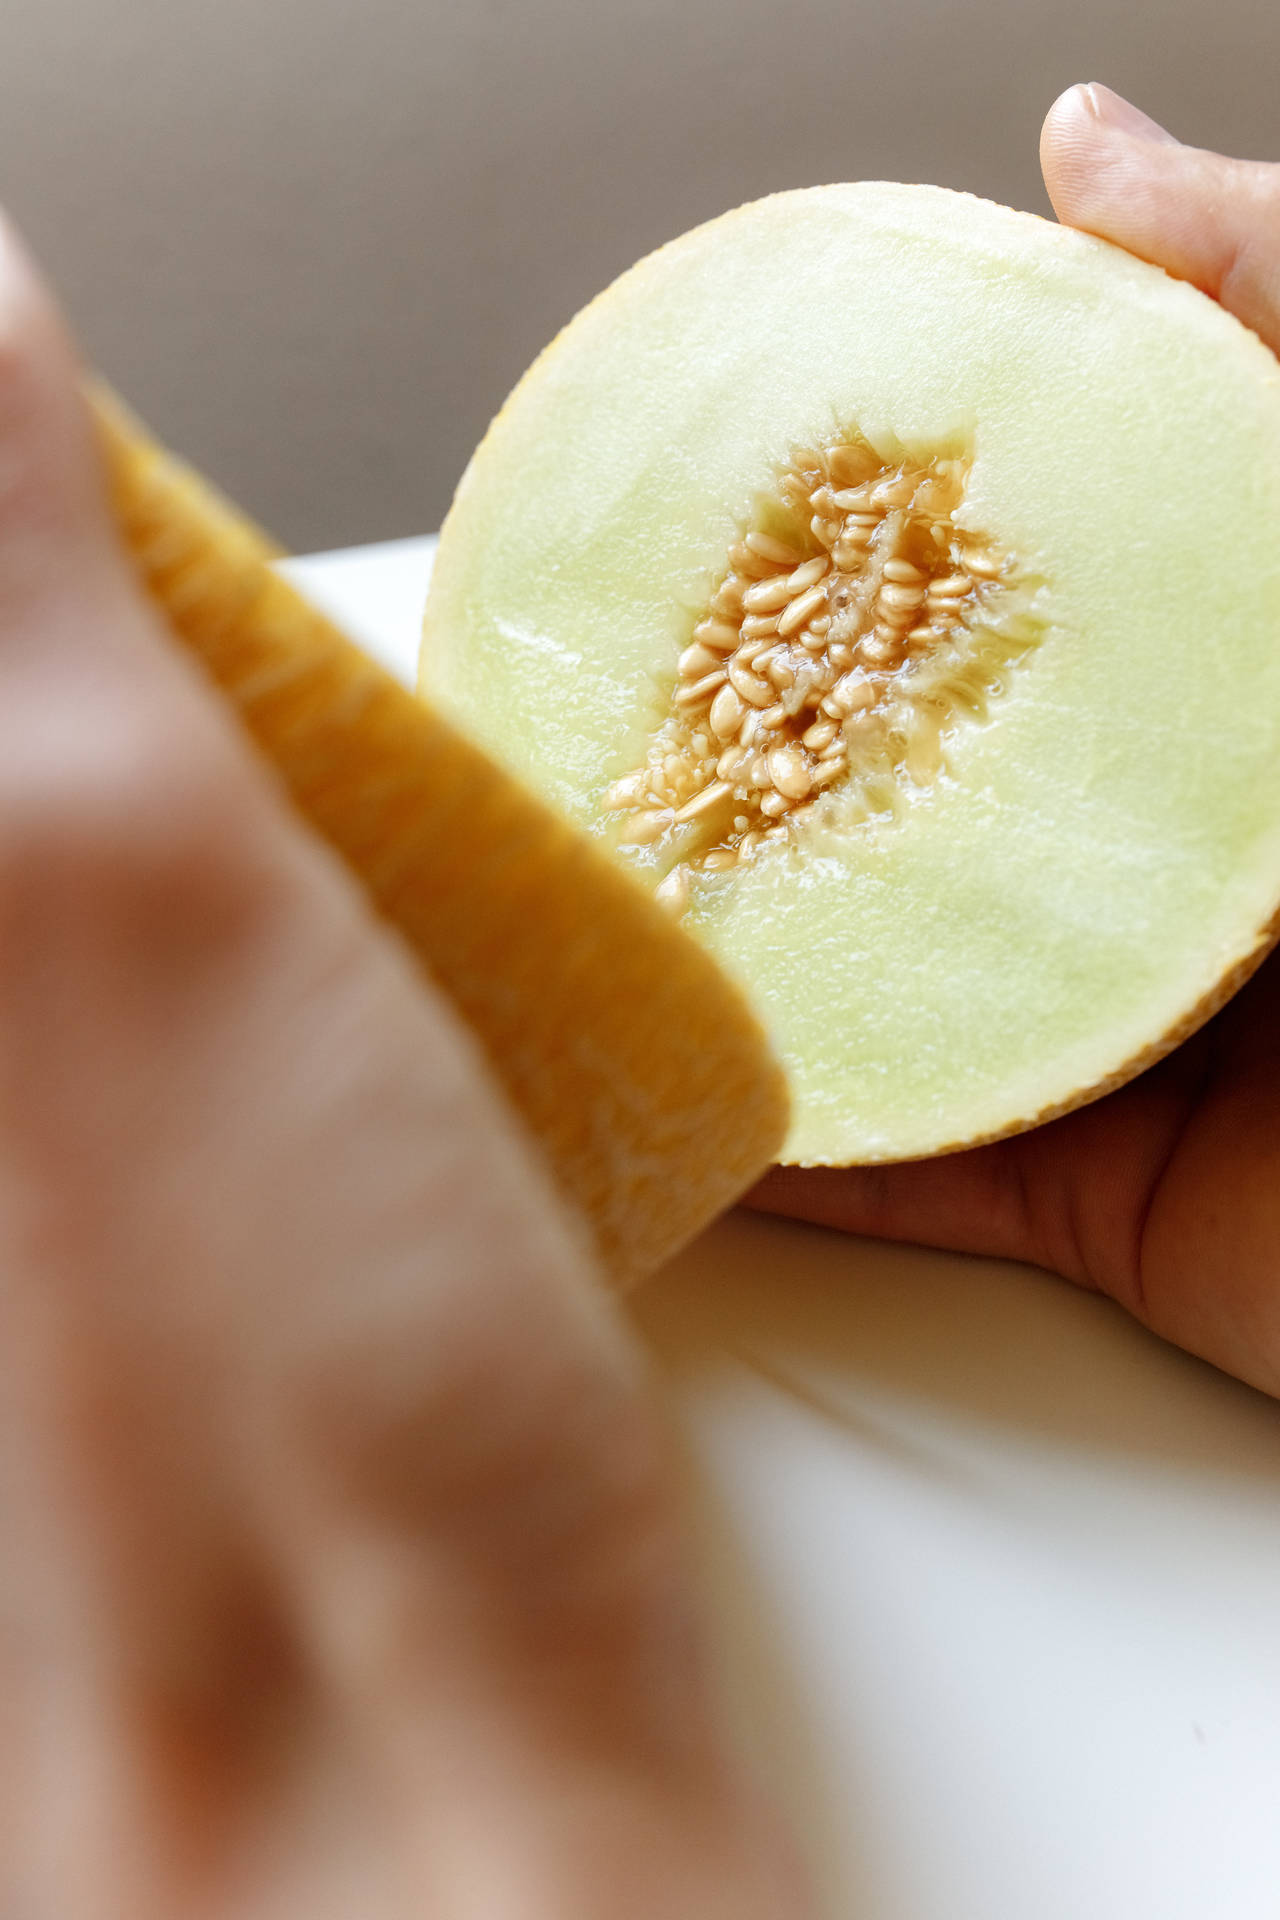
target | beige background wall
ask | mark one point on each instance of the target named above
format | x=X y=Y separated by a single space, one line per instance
x=315 y=242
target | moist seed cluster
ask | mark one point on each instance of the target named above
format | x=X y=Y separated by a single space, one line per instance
x=839 y=645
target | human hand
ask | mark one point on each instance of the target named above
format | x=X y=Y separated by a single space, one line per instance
x=1166 y=1194
x=341 y=1570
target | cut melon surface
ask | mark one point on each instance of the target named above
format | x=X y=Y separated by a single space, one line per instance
x=1052 y=841
x=637 y=1066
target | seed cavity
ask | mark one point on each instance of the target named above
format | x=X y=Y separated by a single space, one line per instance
x=854 y=628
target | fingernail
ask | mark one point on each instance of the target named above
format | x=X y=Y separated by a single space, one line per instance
x=1121 y=116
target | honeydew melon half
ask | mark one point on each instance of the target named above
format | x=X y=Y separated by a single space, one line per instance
x=1032 y=487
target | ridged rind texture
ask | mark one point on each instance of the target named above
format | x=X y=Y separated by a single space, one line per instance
x=637 y=1065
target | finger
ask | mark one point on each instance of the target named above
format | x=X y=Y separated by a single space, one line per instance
x=1205 y=1270
x=56 y=539
x=91 y=685
x=1213 y=221
x=1070 y=1195
x=971 y=1202
x=329 y=1436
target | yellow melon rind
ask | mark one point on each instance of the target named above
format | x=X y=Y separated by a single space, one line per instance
x=639 y=1068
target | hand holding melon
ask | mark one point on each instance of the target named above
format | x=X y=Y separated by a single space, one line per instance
x=893 y=582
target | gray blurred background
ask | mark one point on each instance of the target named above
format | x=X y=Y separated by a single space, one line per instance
x=315 y=242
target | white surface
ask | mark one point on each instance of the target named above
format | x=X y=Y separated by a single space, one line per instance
x=997 y=1573
x=377 y=593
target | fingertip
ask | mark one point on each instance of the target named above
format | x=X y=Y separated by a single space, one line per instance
x=1068 y=119
x=53 y=507
x=17 y=269
x=851 y=1199
x=1065 y=140
x=1092 y=140
x=35 y=347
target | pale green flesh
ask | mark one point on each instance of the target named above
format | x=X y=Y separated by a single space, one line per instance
x=1107 y=844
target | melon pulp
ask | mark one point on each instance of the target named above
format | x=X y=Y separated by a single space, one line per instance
x=1051 y=844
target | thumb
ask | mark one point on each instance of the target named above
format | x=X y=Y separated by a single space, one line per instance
x=1216 y=222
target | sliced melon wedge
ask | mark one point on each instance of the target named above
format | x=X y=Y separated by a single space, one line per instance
x=892 y=581
x=638 y=1067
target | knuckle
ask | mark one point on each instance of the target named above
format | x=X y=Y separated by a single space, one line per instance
x=1265 y=178
x=1256 y=185
x=117 y=814
x=534 y=1467
x=1248 y=281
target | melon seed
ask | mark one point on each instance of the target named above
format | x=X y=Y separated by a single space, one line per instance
x=853 y=571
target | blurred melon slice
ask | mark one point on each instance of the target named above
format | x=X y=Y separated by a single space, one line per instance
x=892 y=582
x=637 y=1065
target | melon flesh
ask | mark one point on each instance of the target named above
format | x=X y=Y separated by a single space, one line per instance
x=1097 y=862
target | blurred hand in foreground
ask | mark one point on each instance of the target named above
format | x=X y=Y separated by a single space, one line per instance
x=1166 y=1194
x=340 y=1566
